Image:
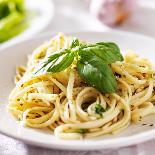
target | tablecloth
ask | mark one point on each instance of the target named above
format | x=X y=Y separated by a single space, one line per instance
x=9 y=146
x=73 y=15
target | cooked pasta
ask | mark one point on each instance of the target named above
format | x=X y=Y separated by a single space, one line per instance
x=70 y=107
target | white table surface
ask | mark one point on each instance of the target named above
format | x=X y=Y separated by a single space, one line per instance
x=72 y=15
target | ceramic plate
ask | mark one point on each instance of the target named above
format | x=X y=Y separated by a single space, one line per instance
x=17 y=54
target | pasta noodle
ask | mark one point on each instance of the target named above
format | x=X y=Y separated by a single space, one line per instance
x=66 y=105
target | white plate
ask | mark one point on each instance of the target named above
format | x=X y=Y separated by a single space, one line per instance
x=40 y=14
x=13 y=55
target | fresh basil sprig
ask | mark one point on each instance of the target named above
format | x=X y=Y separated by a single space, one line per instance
x=93 y=63
x=57 y=62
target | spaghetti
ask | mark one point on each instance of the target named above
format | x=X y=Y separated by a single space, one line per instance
x=73 y=110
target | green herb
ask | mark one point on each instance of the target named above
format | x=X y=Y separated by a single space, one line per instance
x=99 y=109
x=93 y=63
x=57 y=62
x=108 y=52
x=75 y=43
x=61 y=63
x=82 y=131
x=96 y=73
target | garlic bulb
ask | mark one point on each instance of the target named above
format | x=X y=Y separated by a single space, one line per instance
x=112 y=12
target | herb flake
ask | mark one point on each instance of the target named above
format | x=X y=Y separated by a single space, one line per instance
x=99 y=109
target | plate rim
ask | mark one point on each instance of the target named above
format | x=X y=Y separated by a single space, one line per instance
x=90 y=145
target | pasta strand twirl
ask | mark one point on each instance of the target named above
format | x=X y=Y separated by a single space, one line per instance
x=67 y=105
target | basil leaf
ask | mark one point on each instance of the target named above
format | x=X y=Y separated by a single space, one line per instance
x=108 y=52
x=75 y=43
x=50 y=59
x=59 y=61
x=115 y=48
x=98 y=75
x=62 y=63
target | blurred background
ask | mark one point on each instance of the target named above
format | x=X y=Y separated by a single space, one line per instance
x=24 y=18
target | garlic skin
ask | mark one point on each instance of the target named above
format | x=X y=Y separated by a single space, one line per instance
x=112 y=12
